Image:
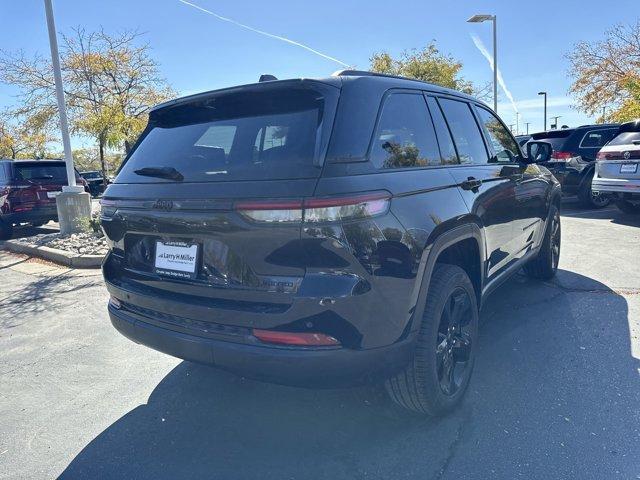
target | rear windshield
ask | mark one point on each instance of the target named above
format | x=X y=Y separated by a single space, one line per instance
x=40 y=172
x=91 y=175
x=626 y=138
x=556 y=138
x=257 y=135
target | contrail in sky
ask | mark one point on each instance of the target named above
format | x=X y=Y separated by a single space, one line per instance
x=266 y=34
x=485 y=53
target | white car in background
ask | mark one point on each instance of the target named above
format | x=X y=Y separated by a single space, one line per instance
x=617 y=172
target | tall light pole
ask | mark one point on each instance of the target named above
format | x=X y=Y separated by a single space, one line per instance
x=517 y=122
x=485 y=18
x=73 y=203
x=555 y=121
x=527 y=124
x=57 y=75
x=545 y=109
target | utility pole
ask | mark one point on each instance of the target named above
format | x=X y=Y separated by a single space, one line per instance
x=492 y=18
x=545 y=109
x=73 y=203
x=527 y=124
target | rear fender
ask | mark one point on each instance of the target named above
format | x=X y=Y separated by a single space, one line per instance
x=441 y=241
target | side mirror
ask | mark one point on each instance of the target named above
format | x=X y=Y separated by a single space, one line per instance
x=539 y=152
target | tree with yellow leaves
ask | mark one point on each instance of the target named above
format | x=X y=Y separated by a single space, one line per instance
x=607 y=74
x=23 y=137
x=428 y=65
x=110 y=83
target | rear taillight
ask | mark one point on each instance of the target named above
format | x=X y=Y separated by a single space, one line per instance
x=561 y=156
x=272 y=211
x=22 y=198
x=609 y=156
x=632 y=155
x=107 y=207
x=316 y=210
x=295 y=338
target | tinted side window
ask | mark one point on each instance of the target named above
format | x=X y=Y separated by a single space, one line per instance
x=504 y=145
x=404 y=137
x=447 y=149
x=597 y=138
x=465 y=131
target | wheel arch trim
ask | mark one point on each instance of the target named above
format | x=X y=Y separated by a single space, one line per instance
x=429 y=259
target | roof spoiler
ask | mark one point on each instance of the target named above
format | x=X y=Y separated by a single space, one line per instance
x=632 y=126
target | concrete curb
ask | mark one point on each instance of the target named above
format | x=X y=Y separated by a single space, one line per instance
x=62 y=257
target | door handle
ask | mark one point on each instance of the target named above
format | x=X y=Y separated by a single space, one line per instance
x=471 y=183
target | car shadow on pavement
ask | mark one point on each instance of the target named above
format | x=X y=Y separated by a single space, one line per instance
x=554 y=394
x=21 y=304
x=29 y=231
x=608 y=213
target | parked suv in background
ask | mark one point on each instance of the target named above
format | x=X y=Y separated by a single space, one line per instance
x=95 y=182
x=28 y=190
x=618 y=169
x=326 y=232
x=573 y=159
x=522 y=139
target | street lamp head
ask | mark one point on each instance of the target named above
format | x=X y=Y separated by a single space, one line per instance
x=542 y=93
x=480 y=18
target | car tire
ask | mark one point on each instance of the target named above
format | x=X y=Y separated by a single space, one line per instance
x=545 y=265
x=6 y=230
x=435 y=380
x=590 y=199
x=628 y=207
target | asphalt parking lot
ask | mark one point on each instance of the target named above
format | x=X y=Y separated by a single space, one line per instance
x=555 y=393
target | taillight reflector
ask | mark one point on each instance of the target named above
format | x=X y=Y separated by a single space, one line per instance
x=295 y=338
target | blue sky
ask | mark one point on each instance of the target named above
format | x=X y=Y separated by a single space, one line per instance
x=198 y=51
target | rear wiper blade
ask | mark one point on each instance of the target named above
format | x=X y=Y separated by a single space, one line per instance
x=169 y=173
x=42 y=177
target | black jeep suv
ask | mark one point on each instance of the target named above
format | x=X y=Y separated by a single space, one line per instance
x=326 y=232
x=574 y=157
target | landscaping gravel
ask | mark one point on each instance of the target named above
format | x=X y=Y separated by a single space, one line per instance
x=86 y=243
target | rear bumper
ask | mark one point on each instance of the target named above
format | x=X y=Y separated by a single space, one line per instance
x=610 y=185
x=36 y=215
x=308 y=367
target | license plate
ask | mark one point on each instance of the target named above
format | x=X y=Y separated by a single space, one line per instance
x=176 y=259
x=52 y=194
x=629 y=168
